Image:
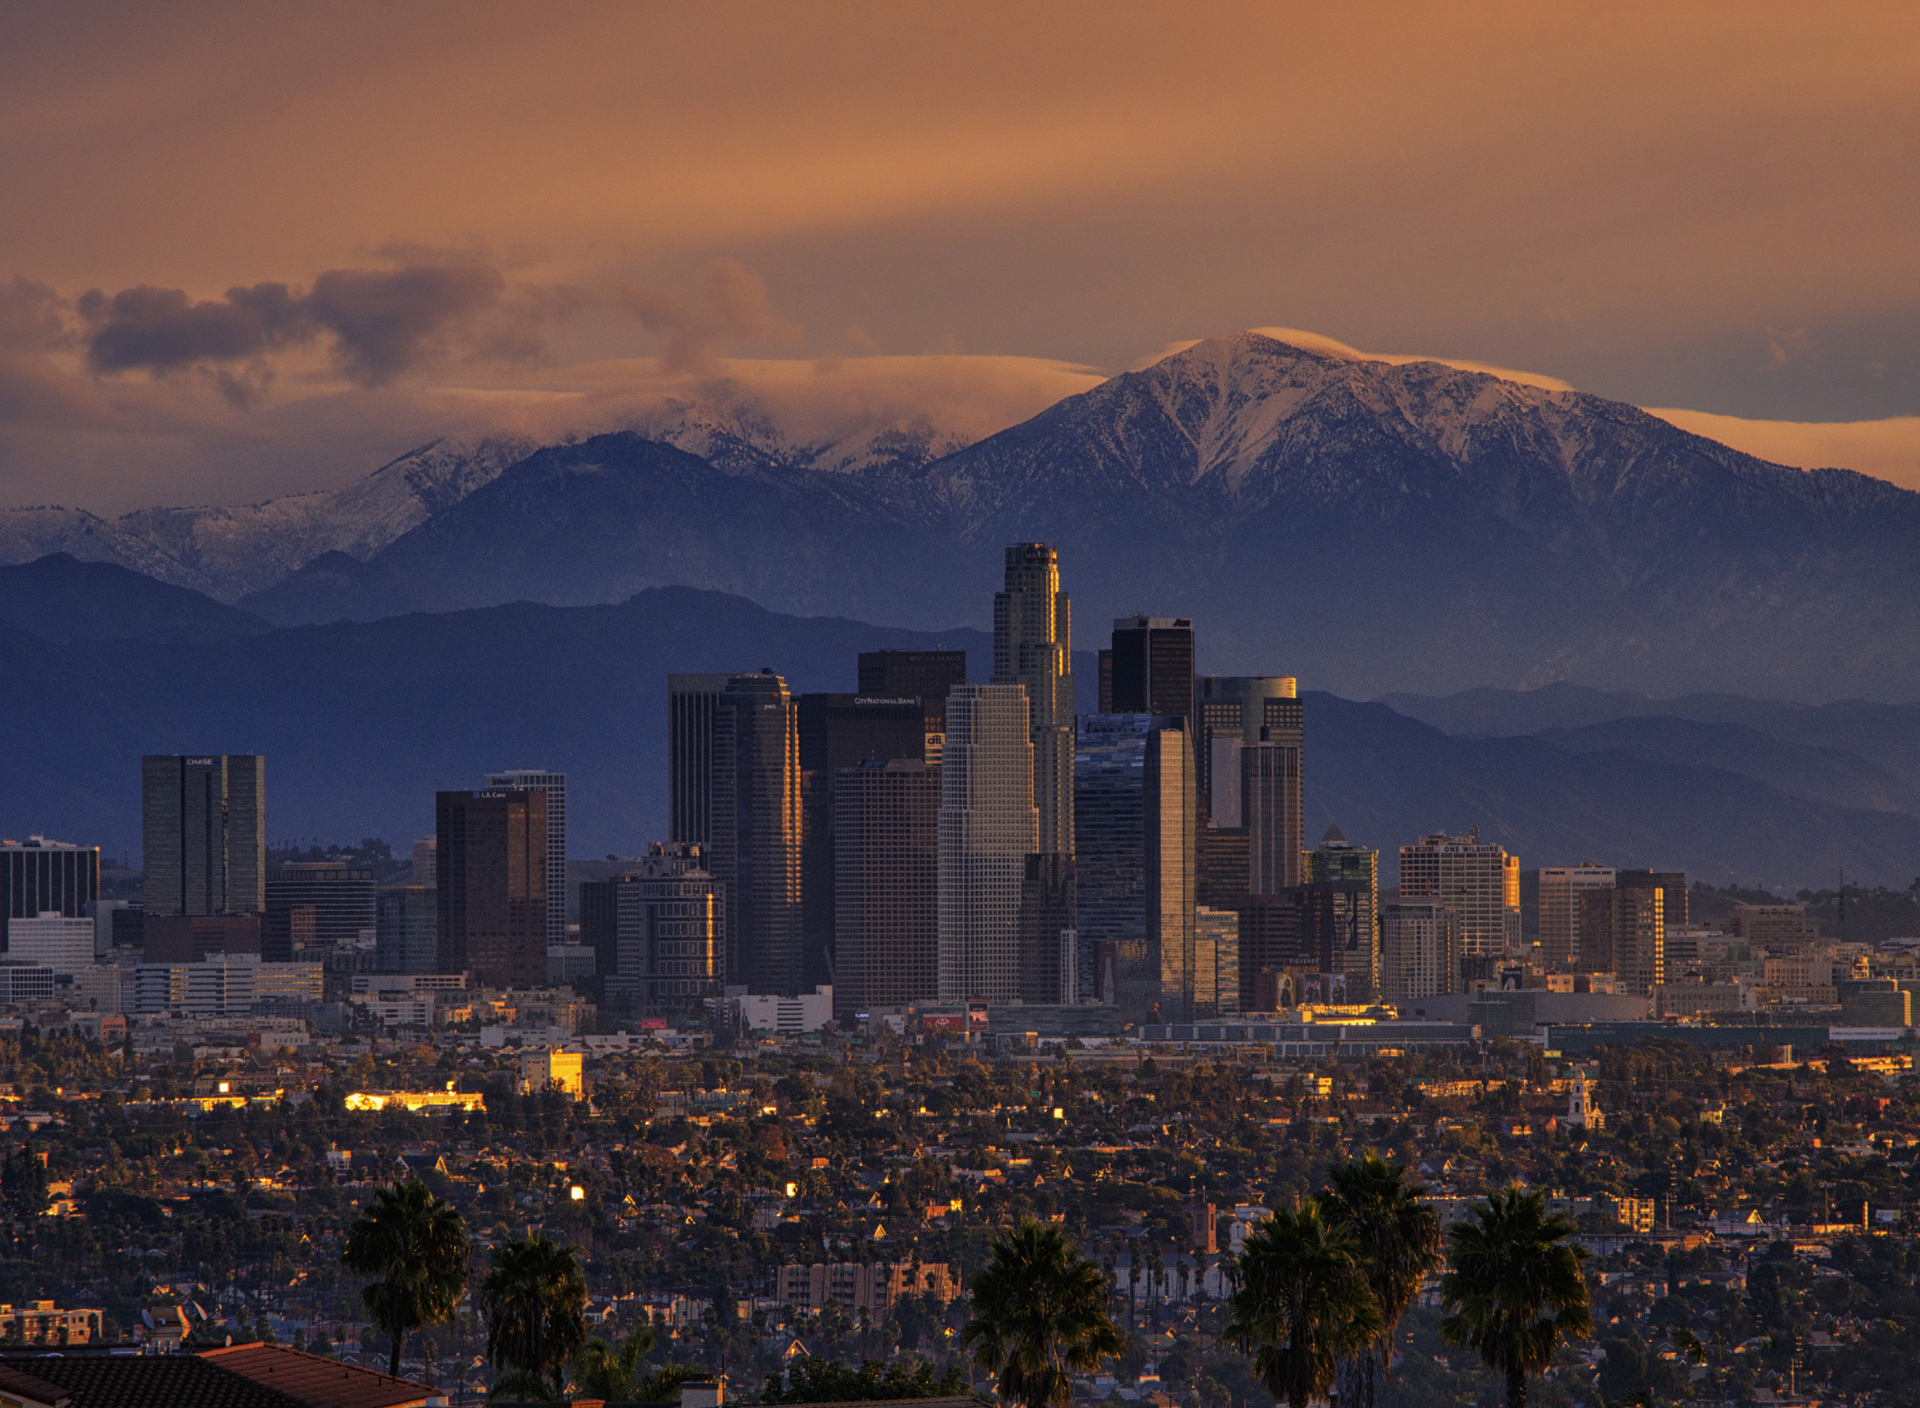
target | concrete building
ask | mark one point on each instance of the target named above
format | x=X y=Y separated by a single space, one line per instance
x=492 y=903
x=552 y=1070
x=657 y=933
x=223 y=985
x=1216 y=964
x=1419 y=950
x=1134 y=849
x=38 y=876
x=554 y=784
x=1560 y=890
x=1776 y=927
x=1271 y=809
x=1478 y=880
x=52 y=940
x=886 y=884
x=987 y=827
x=783 y=1016
x=1033 y=648
x=1233 y=711
x=204 y=834
x=854 y=1287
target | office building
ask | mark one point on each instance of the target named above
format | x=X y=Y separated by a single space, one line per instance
x=1478 y=880
x=1672 y=885
x=406 y=927
x=188 y=938
x=1560 y=889
x=1152 y=666
x=53 y=941
x=987 y=827
x=1349 y=877
x=316 y=906
x=426 y=867
x=111 y=918
x=1419 y=950
x=38 y=876
x=886 y=885
x=926 y=675
x=1233 y=711
x=224 y=985
x=1273 y=939
x=1134 y=850
x=840 y=731
x=1050 y=961
x=657 y=933
x=1623 y=932
x=492 y=905
x=1222 y=865
x=554 y=784
x=734 y=790
x=1272 y=810
x=204 y=829
x=1778 y=928
x=1033 y=647
x=1216 y=964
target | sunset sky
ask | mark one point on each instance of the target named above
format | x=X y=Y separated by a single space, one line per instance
x=454 y=216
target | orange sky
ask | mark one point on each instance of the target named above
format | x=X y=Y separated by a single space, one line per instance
x=1709 y=206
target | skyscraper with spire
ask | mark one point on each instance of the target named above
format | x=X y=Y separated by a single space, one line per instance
x=1033 y=646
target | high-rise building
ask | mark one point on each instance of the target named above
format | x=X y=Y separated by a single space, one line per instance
x=1560 y=890
x=38 y=876
x=330 y=902
x=886 y=885
x=1272 y=810
x=1273 y=937
x=926 y=675
x=1478 y=880
x=425 y=868
x=656 y=933
x=1232 y=712
x=1639 y=937
x=840 y=731
x=492 y=905
x=1033 y=647
x=1419 y=950
x=554 y=784
x=1133 y=844
x=1349 y=876
x=406 y=926
x=986 y=830
x=204 y=829
x=734 y=790
x=1152 y=670
x=1216 y=964
x=1050 y=960
x=1672 y=885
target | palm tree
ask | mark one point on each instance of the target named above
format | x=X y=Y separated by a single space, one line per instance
x=1399 y=1236
x=417 y=1245
x=609 y=1372
x=1301 y=1302
x=535 y=1301
x=1040 y=1316
x=1513 y=1288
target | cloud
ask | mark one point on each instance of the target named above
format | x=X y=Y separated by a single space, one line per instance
x=381 y=321
x=1331 y=347
x=733 y=307
x=1887 y=449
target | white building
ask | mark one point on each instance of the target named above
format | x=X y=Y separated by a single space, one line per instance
x=224 y=985
x=988 y=826
x=784 y=1015
x=1478 y=880
x=65 y=945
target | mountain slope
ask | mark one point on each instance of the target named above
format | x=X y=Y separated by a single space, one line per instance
x=1353 y=523
x=362 y=722
x=64 y=600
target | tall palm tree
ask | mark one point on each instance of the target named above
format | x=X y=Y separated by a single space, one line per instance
x=535 y=1301
x=417 y=1245
x=1513 y=1289
x=1301 y=1302
x=1399 y=1236
x=1039 y=1316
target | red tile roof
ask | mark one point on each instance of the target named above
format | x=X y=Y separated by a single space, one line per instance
x=316 y=1381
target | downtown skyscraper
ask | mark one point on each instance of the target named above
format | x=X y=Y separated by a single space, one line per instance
x=1033 y=648
x=734 y=790
x=987 y=829
x=204 y=834
x=492 y=886
x=554 y=784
